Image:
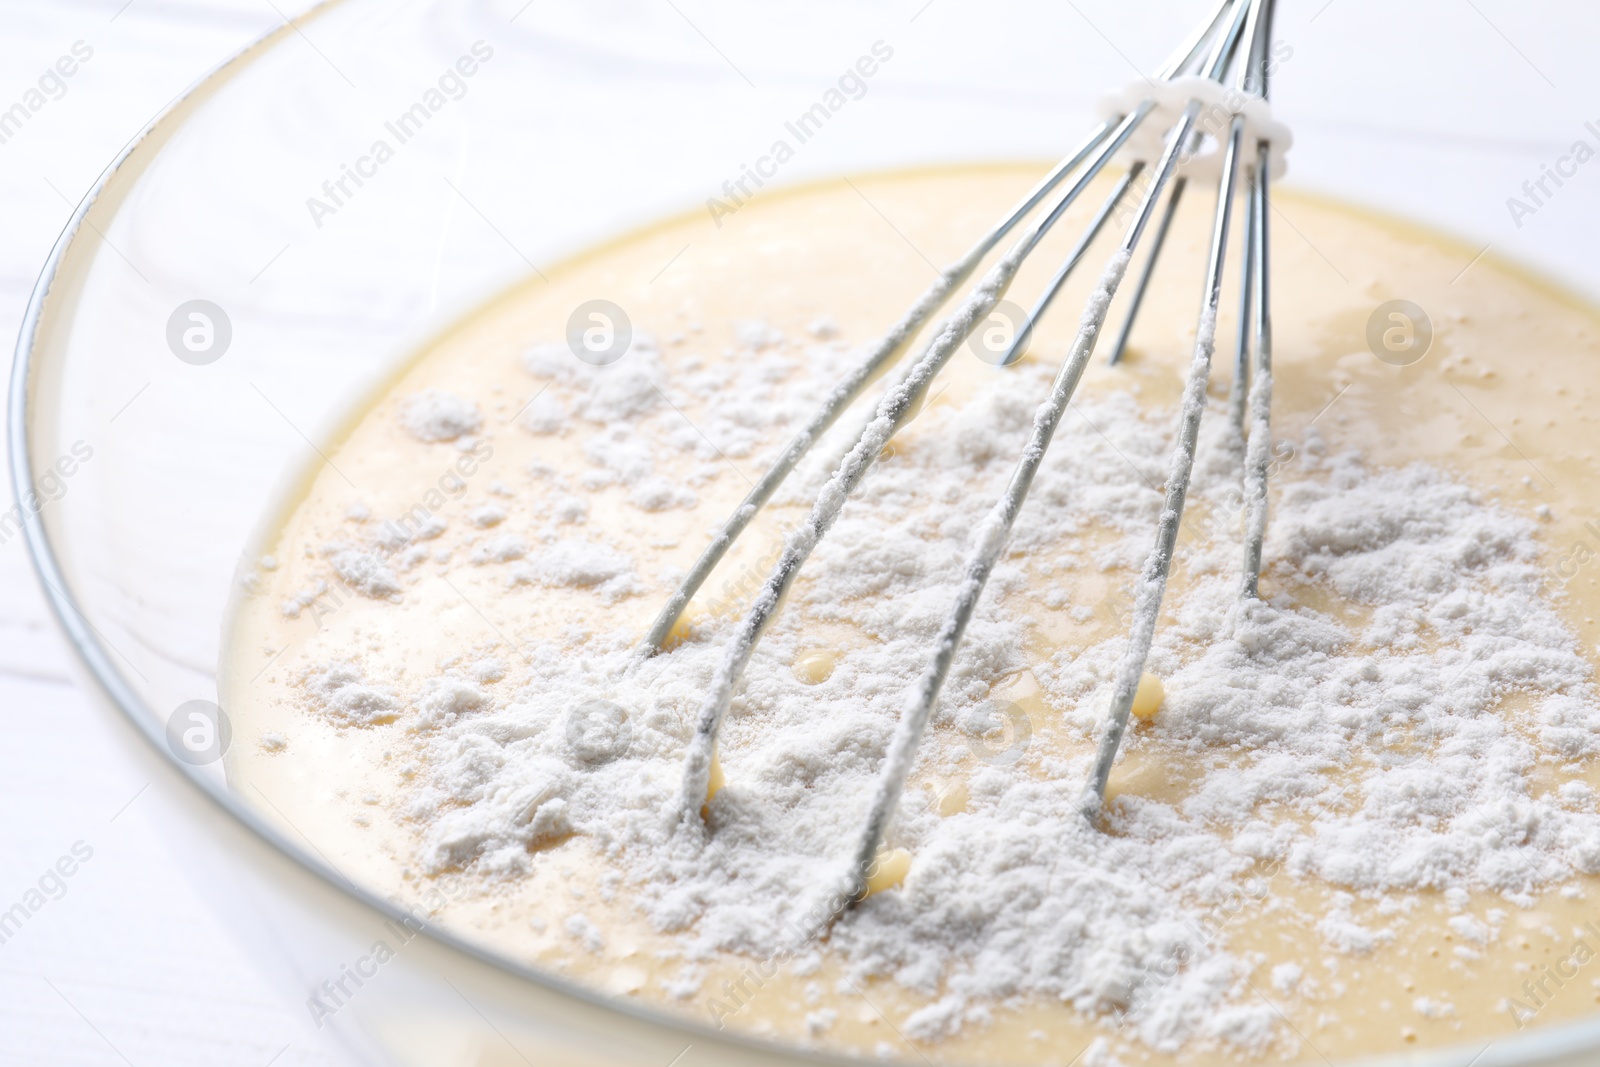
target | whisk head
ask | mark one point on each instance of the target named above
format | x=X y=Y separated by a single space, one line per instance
x=1202 y=118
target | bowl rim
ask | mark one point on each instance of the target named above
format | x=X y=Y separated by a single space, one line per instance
x=1543 y=1043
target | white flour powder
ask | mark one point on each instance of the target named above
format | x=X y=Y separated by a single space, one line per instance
x=1385 y=749
x=436 y=415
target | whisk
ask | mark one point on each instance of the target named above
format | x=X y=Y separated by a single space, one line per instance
x=1211 y=92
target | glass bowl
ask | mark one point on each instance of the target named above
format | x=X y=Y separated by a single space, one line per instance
x=253 y=265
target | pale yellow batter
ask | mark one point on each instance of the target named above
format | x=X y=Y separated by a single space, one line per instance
x=1505 y=398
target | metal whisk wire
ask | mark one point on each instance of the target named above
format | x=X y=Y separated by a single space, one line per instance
x=1151 y=586
x=995 y=531
x=1234 y=35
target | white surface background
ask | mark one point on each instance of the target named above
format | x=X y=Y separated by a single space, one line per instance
x=1450 y=107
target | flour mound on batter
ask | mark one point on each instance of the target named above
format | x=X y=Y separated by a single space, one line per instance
x=438 y=415
x=1383 y=747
